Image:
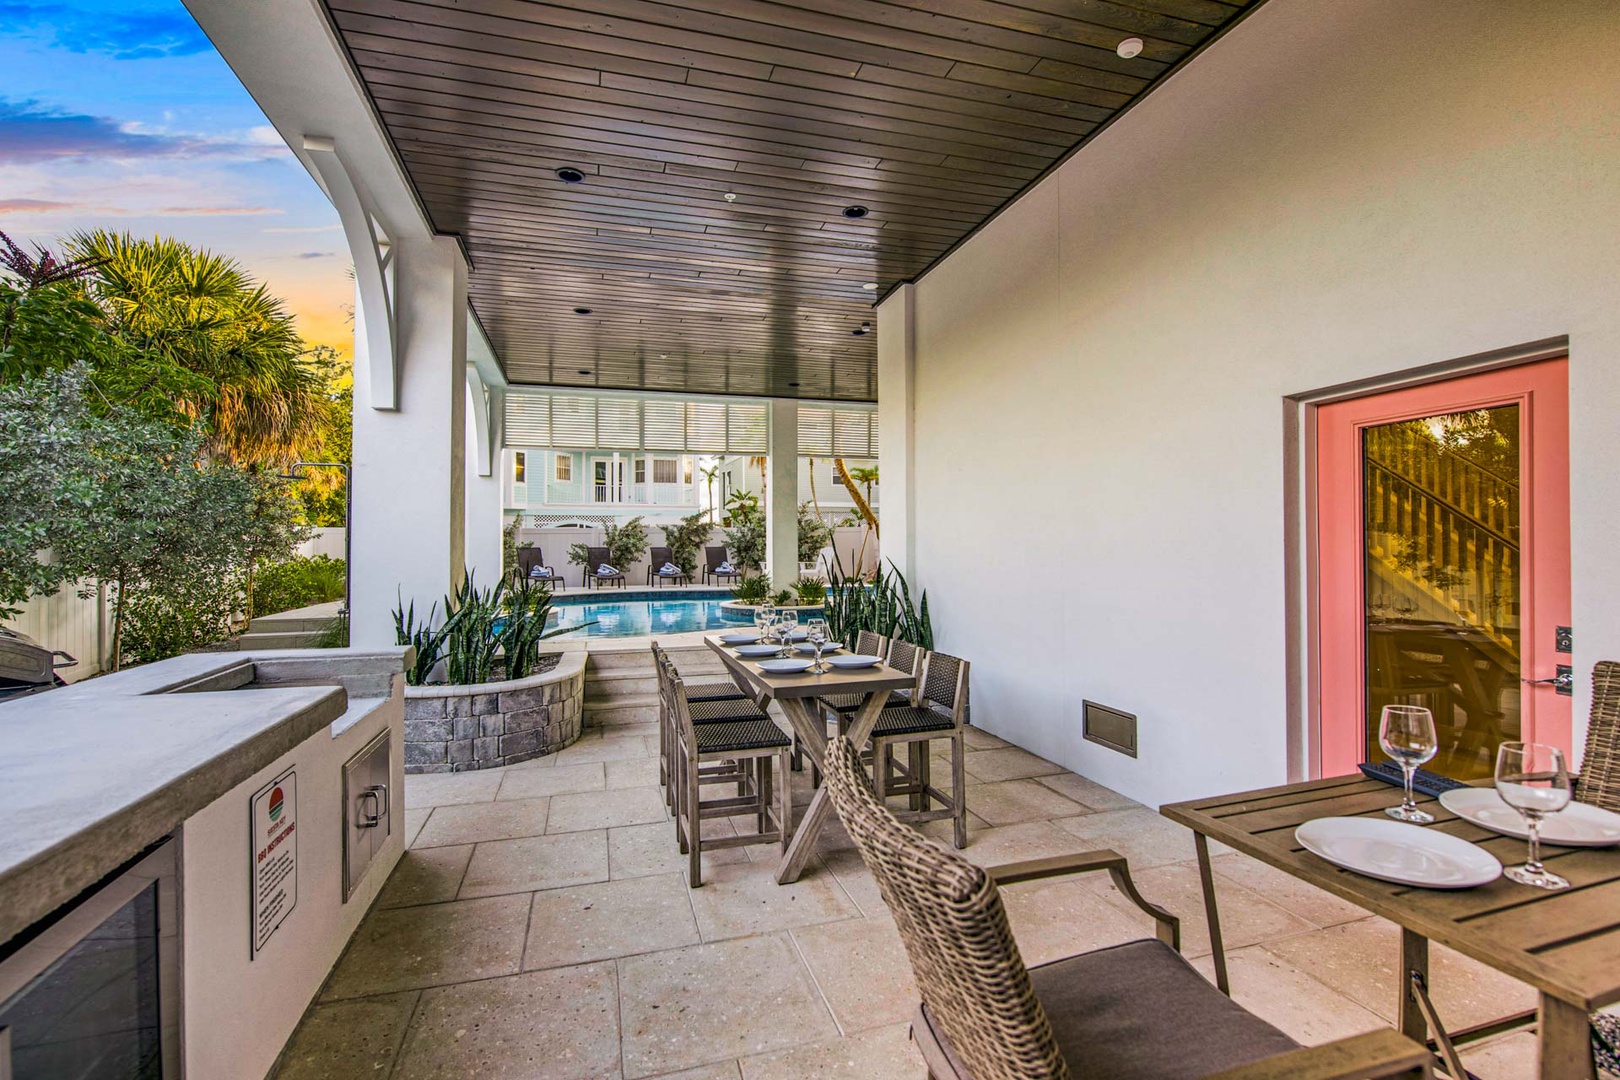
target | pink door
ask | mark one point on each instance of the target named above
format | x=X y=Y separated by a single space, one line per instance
x=1442 y=565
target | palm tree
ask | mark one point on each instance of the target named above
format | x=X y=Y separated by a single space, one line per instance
x=214 y=343
x=710 y=475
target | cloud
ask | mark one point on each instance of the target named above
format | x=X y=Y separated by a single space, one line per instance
x=30 y=132
x=121 y=35
x=31 y=206
x=291 y=229
x=316 y=255
x=215 y=211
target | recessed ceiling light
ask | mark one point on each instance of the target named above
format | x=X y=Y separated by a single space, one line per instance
x=582 y=311
x=866 y=328
x=1130 y=47
x=663 y=356
x=870 y=286
x=569 y=175
x=730 y=196
x=584 y=371
x=856 y=211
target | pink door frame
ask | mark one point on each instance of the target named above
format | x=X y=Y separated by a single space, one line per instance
x=1338 y=629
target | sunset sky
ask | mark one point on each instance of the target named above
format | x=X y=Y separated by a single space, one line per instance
x=119 y=114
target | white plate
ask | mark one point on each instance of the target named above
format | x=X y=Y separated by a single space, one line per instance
x=785 y=667
x=758 y=650
x=1395 y=851
x=740 y=637
x=1576 y=825
x=828 y=647
x=854 y=660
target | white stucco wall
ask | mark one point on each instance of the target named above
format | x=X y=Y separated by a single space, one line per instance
x=240 y=1009
x=1336 y=190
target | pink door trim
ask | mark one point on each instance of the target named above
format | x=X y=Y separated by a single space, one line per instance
x=1338 y=636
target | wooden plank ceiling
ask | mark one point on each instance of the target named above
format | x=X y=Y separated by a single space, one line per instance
x=930 y=114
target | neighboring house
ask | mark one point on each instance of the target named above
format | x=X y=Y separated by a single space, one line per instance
x=600 y=458
x=829 y=494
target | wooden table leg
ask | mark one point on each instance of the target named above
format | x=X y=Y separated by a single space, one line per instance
x=1566 y=1042
x=813 y=735
x=1212 y=915
x=1414 y=960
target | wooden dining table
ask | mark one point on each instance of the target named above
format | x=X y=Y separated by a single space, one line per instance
x=1566 y=944
x=796 y=695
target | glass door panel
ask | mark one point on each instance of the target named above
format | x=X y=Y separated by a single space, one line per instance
x=1440 y=506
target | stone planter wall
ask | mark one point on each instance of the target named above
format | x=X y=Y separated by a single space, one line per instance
x=459 y=728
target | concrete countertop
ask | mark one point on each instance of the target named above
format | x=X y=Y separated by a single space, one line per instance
x=94 y=773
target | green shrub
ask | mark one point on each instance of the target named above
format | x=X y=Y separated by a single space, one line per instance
x=626 y=545
x=753 y=589
x=687 y=539
x=814 y=533
x=746 y=537
x=298 y=582
x=883 y=606
x=810 y=590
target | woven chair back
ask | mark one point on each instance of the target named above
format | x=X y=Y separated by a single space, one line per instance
x=598 y=556
x=944 y=681
x=529 y=558
x=904 y=655
x=714 y=556
x=1600 y=766
x=971 y=976
x=869 y=643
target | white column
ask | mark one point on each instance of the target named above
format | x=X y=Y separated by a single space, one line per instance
x=410 y=462
x=485 y=509
x=782 y=496
x=896 y=374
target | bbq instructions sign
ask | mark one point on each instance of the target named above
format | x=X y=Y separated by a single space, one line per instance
x=274 y=834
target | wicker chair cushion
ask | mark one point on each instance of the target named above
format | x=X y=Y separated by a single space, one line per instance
x=911 y=721
x=724 y=735
x=851 y=703
x=1138 y=1011
x=716 y=691
x=712 y=712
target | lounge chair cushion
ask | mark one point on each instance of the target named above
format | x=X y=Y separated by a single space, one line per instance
x=1139 y=1011
x=726 y=735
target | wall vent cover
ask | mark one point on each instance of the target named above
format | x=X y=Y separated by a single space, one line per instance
x=1109 y=727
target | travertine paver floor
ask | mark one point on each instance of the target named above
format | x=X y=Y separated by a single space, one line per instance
x=540 y=926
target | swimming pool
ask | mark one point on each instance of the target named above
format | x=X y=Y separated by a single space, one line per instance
x=642 y=617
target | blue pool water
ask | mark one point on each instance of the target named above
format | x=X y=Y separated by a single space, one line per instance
x=640 y=618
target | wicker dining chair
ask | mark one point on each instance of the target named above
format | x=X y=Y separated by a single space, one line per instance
x=754 y=754
x=711 y=700
x=1599 y=782
x=1132 y=1012
x=896 y=653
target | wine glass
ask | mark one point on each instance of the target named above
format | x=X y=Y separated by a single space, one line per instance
x=816 y=633
x=764 y=615
x=789 y=620
x=1406 y=732
x=1533 y=779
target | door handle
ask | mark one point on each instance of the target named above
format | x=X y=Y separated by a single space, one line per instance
x=369 y=817
x=1563 y=681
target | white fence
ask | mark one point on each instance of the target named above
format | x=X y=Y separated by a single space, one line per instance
x=554 y=543
x=75 y=625
x=326 y=541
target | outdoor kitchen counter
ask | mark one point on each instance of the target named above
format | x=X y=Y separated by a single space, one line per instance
x=93 y=774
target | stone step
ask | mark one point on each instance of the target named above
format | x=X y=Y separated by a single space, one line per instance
x=303 y=639
x=637 y=710
x=617 y=687
x=694 y=658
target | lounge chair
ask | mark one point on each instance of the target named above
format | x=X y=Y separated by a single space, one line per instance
x=532 y=558
x=1136 y=1011
x=596 y=558
x=657 y=559
x=713 y=559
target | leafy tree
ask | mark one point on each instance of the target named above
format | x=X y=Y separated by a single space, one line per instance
x=212 y=344
x=686 y=539
x=321 y=490
x=814 y=533
x=746 y=536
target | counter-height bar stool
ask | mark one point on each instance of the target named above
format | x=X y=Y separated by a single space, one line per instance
x=754 y=752
x=935 y=711
x=711 y=699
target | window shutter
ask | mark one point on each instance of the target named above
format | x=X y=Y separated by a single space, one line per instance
x=746 y=429
x=872 y=419
x=573 y=421
x=851 y=437
x=618 y=422
x=664 y=425
x=528 y=419
x=815 y=432
x=705 y=427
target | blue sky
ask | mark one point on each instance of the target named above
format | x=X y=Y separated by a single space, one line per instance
x=121 y=115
